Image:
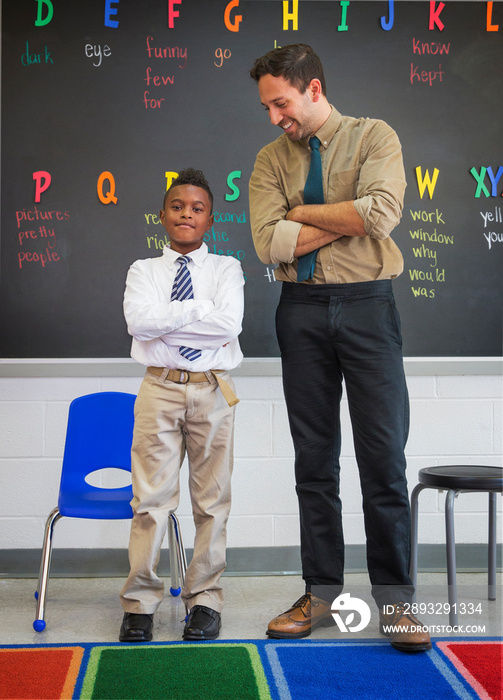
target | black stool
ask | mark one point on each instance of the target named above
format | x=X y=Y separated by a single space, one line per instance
x=454 y=480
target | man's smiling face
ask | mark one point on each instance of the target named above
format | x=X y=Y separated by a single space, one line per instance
x=296 y=113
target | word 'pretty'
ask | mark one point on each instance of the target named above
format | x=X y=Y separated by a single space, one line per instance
x=290 y=15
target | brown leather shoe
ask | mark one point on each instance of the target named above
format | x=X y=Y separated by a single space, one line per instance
x=409 y=634
x=305 y=615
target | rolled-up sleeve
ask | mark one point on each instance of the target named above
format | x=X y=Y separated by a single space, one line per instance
x=382 y=183
x=275 y=239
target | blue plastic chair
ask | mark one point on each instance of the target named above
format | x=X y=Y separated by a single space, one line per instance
x=99 y=436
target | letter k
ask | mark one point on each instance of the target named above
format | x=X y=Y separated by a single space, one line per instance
x=48 y=56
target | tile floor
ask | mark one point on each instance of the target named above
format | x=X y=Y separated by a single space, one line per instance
x=88 y=610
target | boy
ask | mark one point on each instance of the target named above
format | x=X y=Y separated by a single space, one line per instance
x=184 y=310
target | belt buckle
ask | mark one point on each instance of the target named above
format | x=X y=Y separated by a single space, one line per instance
x=184 y=377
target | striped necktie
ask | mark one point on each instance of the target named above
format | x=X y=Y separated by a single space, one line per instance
x=313 y=194
x=182 y=289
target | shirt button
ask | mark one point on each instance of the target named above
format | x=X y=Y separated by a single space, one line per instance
x=328 y=267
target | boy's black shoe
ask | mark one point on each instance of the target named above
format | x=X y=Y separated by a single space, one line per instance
x=136 y=628
x=202 y=623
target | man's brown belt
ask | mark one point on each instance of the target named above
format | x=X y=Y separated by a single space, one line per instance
x=182 y=376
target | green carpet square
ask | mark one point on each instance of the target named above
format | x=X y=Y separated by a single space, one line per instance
x=176 y=672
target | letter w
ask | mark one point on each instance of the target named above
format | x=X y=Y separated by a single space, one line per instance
x=426 y=182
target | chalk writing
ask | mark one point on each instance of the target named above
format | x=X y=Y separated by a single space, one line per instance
x=221 y=55
x=42 y=237
x=491 y=218
x=429 y=47
x=166 y=52
x=158 y=79
x=29 y=58
x=270 y=275
x=95 y=51
x=425 y=76
x=427 y=254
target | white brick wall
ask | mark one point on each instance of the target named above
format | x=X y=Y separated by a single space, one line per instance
x=454 y=420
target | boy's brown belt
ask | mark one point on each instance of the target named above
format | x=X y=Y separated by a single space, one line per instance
x=182 y=376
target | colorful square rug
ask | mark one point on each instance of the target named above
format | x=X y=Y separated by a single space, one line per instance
x=252 y=670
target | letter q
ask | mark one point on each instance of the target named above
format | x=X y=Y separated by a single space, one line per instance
x=110 y=195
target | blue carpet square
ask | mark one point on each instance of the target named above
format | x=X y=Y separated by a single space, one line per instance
x=362 y=670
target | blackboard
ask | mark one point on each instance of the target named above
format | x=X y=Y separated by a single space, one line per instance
x=104 y=92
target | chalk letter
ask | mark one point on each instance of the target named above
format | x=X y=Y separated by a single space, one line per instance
x=172 y=13
x=109 y=10
x=423 y=183
x=39 y=186
x=235 y=189
x=435 y=15
x=490 y=26
x=170 y=176
x=39 y=22
x=389 y=24
x=110 y=196
x=227 y=17
x=343 y=27
x=293 y=15
x=480 y=182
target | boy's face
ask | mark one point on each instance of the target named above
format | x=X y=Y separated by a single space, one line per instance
x=186 y=217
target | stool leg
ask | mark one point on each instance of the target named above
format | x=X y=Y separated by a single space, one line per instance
x=451 y=558
x=491 y=569
x=414 y=511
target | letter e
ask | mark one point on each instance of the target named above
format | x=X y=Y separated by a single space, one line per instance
x=109 y=10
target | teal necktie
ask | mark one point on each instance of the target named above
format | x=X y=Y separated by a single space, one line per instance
x=313 y=194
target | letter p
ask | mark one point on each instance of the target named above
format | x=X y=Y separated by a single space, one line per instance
x=42 y=182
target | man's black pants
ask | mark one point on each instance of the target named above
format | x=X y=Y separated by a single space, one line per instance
x=350 y=332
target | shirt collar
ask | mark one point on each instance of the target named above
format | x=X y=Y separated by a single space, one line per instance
x=327 y=130
x=197 y=256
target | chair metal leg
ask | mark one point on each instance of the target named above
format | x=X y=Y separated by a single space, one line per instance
x=491 y=568
x=450 y=543
x=177 y=560
x=45 y=565
x=414 y=512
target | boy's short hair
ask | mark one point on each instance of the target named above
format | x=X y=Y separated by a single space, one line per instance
x=189 y=176
x=296 y=63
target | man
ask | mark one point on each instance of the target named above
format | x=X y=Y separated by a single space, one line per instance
x=323 y=208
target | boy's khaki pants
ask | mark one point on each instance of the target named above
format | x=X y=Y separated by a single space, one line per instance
x=171 y=419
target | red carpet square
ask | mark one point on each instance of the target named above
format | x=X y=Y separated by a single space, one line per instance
x=39 y=674
x=479 y=663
